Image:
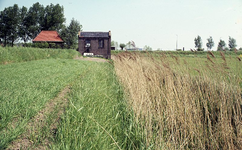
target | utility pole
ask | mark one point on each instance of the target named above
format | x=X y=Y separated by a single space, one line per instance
x=176 y=41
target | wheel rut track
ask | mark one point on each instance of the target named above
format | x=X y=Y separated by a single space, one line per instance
x=25 y=141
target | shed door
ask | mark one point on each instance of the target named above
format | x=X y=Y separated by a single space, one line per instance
x=87 y=45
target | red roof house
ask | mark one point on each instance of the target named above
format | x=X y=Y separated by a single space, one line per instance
x=49 y=37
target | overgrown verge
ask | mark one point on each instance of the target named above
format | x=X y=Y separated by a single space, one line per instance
x=22 y=54
x=97 y=115
x=181 y=107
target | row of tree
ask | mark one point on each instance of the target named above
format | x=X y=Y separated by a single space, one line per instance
x=198 y=44
x=210 y=44
x=23 y=24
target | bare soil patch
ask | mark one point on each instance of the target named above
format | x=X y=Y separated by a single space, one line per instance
x=95 y=59
x=39 y=123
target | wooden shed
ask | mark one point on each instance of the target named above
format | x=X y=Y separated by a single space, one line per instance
x=95 y=43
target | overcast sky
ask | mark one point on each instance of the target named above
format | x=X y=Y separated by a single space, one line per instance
x=156 y=23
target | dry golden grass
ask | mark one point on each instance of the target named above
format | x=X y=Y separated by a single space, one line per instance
x=178 y=110
x=211 y=53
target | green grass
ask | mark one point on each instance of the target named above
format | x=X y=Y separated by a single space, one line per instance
x=97 y=116
x=202 y=54
x=22 y=54
x=198 y=60
x=26 y=87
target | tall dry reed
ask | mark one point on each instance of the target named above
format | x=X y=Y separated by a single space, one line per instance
x=178 y=110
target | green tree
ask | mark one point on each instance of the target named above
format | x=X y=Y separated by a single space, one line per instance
x=210 y=43
x=147 y=48
x=221 y=45
x=73 y=29
x=9 y=21
x=2 y=27
x=232 y=43
x=121 y=45
x=23 y=22
x=114 y=44
x=14 y=15
x=64 y=33
x=33 y=19
x=40 y=18
x=128 y=45
x=53 y=18
x=198 y=43
x=69 y=34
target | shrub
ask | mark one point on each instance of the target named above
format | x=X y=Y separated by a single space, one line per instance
x=52 y=45
x=58 y=46
x=65 y=46
x=226 y=49
x=200 y=49
x=45 y=45
x=35 y=45
x=220 y=49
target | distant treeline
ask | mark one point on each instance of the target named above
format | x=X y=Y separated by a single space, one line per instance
x=221 y=45
x=23 y=24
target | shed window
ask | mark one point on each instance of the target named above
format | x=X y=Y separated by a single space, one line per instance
x=88 y=43
x=101 y=43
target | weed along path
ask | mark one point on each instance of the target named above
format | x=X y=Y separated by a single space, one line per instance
x=96 y=117
x=42 y=127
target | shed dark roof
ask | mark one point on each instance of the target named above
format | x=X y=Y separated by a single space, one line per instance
x=94 y=34
x=48 y=36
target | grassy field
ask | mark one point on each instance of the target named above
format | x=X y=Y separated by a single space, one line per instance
x=22 y=54
x=63 y=104
x=26 y=87
x=138 y=100
x=96 y=117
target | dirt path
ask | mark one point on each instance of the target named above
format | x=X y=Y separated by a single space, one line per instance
x=91 y=59
x=40 y=123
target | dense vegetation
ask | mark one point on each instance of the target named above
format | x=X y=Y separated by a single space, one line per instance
x=97 y=116
x=184 y=102
x=93 y=110
x=21 y=54
x=26 y=87
x=167 y=100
